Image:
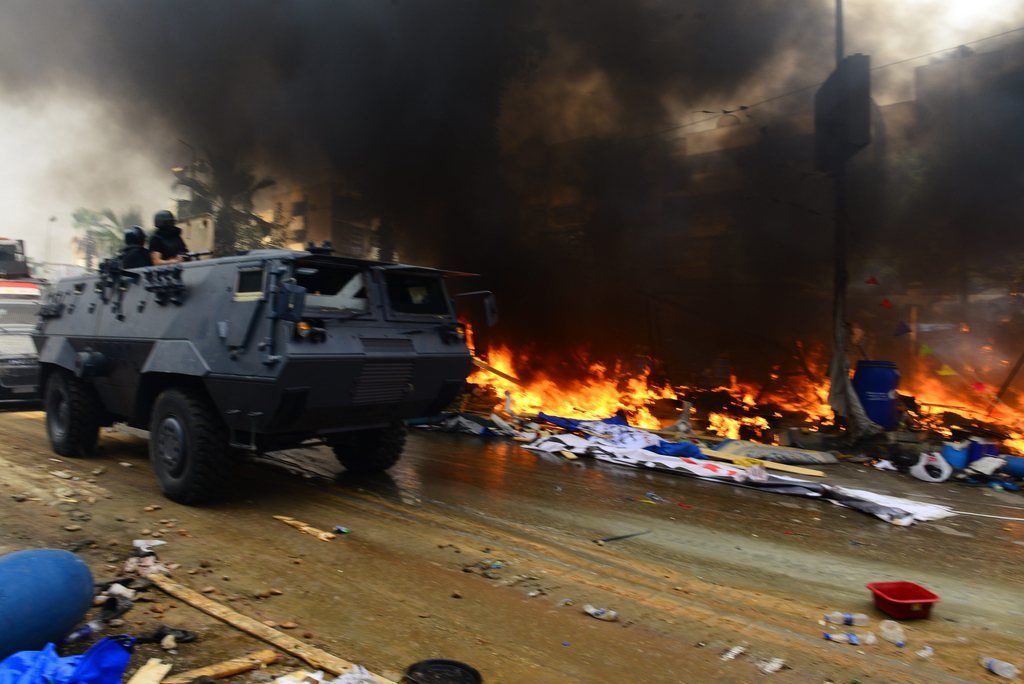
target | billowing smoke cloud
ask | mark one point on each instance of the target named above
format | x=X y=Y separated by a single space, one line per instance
x=509 y=138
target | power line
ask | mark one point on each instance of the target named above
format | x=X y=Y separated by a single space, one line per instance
x=797 y=91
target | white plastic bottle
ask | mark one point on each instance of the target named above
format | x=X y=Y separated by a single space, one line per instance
x=850 y=638
x=999 y=667
x=893 y=631
x=855 y=619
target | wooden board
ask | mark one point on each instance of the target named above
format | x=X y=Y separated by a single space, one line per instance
x=304 y=527
x=228 y=668
x=784 y=467
x=491 y=369
x=318 y=658
x=152 y=672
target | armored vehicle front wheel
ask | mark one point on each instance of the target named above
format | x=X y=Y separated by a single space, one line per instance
x=369 y=451
x=188 y=447
x=72 y=415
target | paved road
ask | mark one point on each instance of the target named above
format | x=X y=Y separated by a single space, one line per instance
x=731 y=566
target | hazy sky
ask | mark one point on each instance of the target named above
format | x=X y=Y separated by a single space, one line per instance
x=61 y=152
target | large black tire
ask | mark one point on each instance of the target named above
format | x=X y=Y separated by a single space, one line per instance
x=188 y=447
x=73 y=415
x=369 y=451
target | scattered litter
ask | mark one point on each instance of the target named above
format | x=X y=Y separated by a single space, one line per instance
x=120 y=591
x=565 y=602
x=771 y=666
x=685 y=505
x=884 y=464
x=854 y=619
x=308 y=529
x=62 y=474
x=925 y=651
x=932 y=468
x=850 y=638
x=893 y=632
x=125 y=464
x=603 y=540
x=99 y=471
x=654 y=497
x=147 y=545
x=160 y=634
x=733 y=652
x=999 y=667
x=341 y=529
x=601 y=613
x=169 y=643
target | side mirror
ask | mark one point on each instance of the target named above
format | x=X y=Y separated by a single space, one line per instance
x=289 y=302
x=490 y=304
x=490 y=309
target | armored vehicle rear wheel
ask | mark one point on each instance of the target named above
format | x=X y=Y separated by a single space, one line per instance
x=72 y=415
x=369 y=451
x=188 y=446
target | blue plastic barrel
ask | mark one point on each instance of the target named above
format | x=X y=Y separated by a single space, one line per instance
x=875 y=383
x=44 y=594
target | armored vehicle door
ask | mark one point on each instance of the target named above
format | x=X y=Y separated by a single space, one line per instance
x=241 y=312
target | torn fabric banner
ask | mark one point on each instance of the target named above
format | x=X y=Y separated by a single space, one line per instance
x=891 y=509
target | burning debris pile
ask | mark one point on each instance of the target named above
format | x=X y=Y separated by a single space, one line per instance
x=636 y=390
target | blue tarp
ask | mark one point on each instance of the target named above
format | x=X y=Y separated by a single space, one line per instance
x=104 y=663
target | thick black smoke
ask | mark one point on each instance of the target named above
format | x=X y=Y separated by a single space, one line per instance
x=513 y=139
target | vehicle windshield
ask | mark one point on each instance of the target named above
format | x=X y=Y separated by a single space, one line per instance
x=12 y=344
x=415 y=293
x=334 y=287
x=18 y=312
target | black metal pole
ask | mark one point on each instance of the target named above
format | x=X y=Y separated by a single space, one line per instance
x=839 y=191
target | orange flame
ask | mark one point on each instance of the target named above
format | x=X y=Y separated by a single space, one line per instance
x=600 y=393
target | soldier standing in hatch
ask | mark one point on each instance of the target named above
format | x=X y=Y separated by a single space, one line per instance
x=166 y=245
x=135 y=254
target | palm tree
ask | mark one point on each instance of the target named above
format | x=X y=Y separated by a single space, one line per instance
x=228 y=189
x=101 y=233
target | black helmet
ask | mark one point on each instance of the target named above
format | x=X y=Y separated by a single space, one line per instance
x=163 y=219
x=134 y=236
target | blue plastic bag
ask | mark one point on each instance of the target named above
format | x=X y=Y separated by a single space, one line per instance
x=104 y=663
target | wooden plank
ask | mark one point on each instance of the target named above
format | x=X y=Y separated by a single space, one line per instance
x=250 y=661
x=303 y=527
x=771 y=465
x=153 y=672
x=318 y=658
x=491 y=369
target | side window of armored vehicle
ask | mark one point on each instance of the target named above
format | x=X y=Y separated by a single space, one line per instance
x=416 y=294
x=249 y=285
x=334 y=287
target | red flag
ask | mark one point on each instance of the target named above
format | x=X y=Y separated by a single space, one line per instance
x=871 y=281
x=886 y=304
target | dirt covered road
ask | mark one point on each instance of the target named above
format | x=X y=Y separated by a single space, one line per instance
x=469 y=550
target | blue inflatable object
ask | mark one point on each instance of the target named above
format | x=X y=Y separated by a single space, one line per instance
x=104 y=663
x=44 y=593
x=875 y=383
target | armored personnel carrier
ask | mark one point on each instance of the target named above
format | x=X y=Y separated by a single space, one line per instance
x=260 y=352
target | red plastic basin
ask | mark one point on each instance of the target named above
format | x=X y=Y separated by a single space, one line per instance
x=903 y=600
